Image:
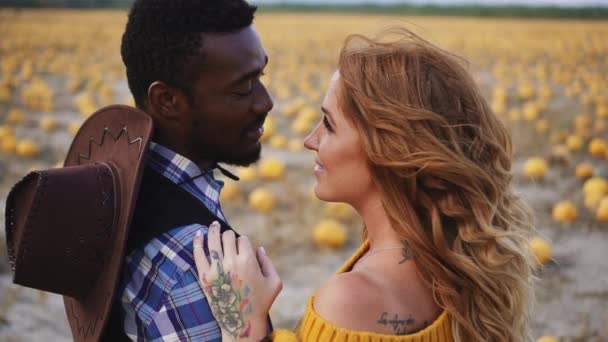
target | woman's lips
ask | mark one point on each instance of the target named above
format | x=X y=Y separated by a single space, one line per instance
x=318 y=167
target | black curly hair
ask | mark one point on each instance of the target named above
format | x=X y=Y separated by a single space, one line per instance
x=163 y=39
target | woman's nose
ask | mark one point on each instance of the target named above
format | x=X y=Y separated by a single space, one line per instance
x=311 y=142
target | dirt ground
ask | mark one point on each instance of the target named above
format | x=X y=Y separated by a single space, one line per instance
x=572 y=292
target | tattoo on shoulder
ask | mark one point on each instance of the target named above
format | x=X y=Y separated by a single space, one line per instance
x=400 y=325
x=406 y=252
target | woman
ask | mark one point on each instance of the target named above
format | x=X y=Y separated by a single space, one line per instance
x=408 y=140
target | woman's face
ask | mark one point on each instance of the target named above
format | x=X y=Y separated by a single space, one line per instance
x=341 y=165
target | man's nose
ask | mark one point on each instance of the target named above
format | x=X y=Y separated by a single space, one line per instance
x=263 y=102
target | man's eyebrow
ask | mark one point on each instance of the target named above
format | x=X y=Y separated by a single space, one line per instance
x=250 y=74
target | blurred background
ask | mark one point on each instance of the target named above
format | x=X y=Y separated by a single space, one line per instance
x=542 y=65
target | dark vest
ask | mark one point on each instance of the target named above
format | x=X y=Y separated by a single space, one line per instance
x=161 y=206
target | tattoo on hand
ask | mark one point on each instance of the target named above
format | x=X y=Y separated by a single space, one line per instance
x=400 y=326
x=229 y=301
x=406 y=252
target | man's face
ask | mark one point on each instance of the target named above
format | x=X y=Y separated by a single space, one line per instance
x=229 y=103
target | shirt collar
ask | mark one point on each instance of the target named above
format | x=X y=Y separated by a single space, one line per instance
x=178 y=168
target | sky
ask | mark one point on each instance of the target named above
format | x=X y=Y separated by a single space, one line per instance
x=563 y=3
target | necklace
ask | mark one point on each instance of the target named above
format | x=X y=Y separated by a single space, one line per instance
x=378 y=251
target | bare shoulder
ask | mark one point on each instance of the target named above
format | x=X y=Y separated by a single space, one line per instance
x=349 y=300
x=361 y=302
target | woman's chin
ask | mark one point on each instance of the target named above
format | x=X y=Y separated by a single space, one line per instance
x=323 y=195
x=318 y=192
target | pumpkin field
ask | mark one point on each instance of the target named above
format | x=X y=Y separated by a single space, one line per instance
x=547 y=80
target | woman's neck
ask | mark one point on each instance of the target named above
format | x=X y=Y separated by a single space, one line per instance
x=380 y=232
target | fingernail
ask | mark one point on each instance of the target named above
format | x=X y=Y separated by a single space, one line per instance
x=262 y=250
x=198 y=234
x=215 y=224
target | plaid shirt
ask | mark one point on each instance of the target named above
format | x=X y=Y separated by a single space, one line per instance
x=159 y=290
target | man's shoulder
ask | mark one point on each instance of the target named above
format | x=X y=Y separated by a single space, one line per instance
x=161 y=295
x=170 y=252
x=161 y=268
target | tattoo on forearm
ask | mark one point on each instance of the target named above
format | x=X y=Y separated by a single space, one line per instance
x=400 y=326
x=229 y=301
x=406 y=252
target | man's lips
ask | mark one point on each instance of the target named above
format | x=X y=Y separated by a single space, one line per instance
x=255 y=131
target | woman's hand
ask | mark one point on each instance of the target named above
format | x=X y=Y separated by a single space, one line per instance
x=240 y=285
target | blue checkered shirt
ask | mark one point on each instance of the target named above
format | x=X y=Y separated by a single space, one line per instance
x=159 y=290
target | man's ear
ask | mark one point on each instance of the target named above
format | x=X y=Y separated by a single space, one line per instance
x=163 y=100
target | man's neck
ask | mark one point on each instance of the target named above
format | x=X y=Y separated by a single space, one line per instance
x=201 y=163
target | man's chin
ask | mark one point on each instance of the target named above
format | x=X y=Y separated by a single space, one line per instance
x=243 y=159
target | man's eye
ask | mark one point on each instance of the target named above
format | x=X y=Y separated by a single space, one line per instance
x=250 y=90
x=246 y=92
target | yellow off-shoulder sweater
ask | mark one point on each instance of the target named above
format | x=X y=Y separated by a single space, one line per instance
x=313 y=327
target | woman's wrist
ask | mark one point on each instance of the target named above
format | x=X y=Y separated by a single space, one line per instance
x=259 y=328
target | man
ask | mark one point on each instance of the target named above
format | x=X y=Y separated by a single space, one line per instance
x=194 y=67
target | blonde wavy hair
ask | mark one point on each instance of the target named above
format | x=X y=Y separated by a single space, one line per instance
x=442 y=162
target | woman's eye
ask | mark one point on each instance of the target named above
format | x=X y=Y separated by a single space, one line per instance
x=326 y=123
